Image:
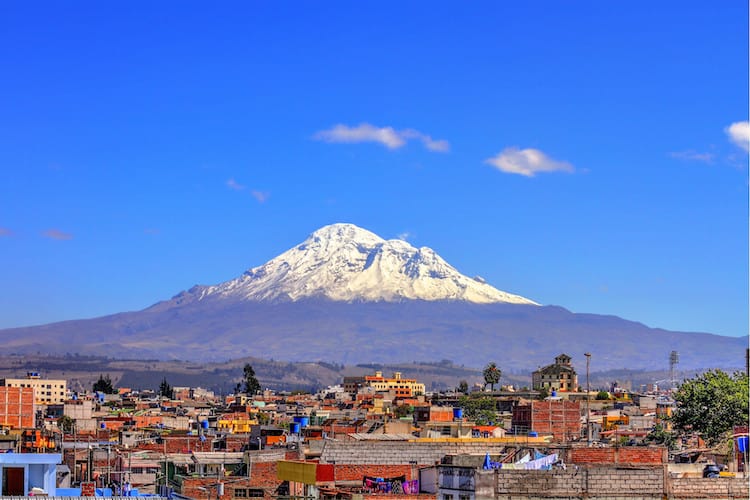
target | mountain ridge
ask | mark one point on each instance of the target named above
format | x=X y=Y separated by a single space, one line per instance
x=220 y=322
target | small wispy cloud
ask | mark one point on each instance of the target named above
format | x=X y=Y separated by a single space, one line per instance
x=527 y=162
x=691 y=155
x=404 y=236
x=234 y=185
x=56 y=234
x=152 y=231
x=739 y=134
x=260 y=196
x=437 y=146
x=5 y=232
x=385 y=136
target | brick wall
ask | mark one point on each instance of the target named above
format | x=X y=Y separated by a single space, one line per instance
x=177 y=444
x=358 y=472
x=562 y=419
x=17 y=407
x=714 y=488
x=585 y=481
x=235 y=443
x=623 y=455
x=600 y=482
x=263 y=476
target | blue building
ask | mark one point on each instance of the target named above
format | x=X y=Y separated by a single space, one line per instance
x=22 y=472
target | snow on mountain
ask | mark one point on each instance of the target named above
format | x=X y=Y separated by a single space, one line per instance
x=343 y=262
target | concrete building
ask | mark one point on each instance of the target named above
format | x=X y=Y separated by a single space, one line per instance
x=46 y=391
x=559 y=376
x=79 y=409
x=21 y=473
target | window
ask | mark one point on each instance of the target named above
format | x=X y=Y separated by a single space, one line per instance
x=255 y=493
x=240 y=492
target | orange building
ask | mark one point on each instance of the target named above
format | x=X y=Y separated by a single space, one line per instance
x=17 y=407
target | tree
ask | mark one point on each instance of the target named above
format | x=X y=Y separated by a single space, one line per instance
x=602 y=396
x=659 y=435
x=403 y=411
x=711 y=404
x=252 y=386
x=65 y=424
x=104 y=384
x=492 y=375
x=481 y=411
x=166 y=390
x=463 y=387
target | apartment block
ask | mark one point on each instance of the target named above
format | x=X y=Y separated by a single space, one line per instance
x=46 y=391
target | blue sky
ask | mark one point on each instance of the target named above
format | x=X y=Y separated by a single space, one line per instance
x=591 y=155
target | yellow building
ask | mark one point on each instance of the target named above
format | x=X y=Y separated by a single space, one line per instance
x=235 y=425
x=46 y=391
x=402 y=387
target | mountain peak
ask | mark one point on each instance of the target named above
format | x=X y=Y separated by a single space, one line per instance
x=345 y=231
x=343 y=262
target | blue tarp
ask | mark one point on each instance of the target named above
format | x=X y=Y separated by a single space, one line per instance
x=742 y=444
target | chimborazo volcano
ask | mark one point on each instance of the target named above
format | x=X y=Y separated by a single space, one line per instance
x=346 y=295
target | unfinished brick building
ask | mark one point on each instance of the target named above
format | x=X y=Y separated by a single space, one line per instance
x=559 y=418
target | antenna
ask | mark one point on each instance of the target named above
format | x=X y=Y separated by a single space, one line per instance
x=674 y=358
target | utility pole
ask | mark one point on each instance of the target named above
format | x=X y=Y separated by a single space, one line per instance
x=75 y=450
x=588 y=400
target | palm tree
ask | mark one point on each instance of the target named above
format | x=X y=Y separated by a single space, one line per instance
x=492 y=375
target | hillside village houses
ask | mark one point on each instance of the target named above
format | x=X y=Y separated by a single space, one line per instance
x=373 y=436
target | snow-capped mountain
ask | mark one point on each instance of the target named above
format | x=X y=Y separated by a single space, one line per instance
x=343 y=262
x=345 y=295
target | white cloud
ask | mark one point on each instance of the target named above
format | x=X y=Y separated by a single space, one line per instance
x=438 y=146
x=692 y=155
x=404 y=236
x=234 y=185
x=528 y=162
x=260 y=196
x=386 y=136
x=56 y=234
x=739 y=133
